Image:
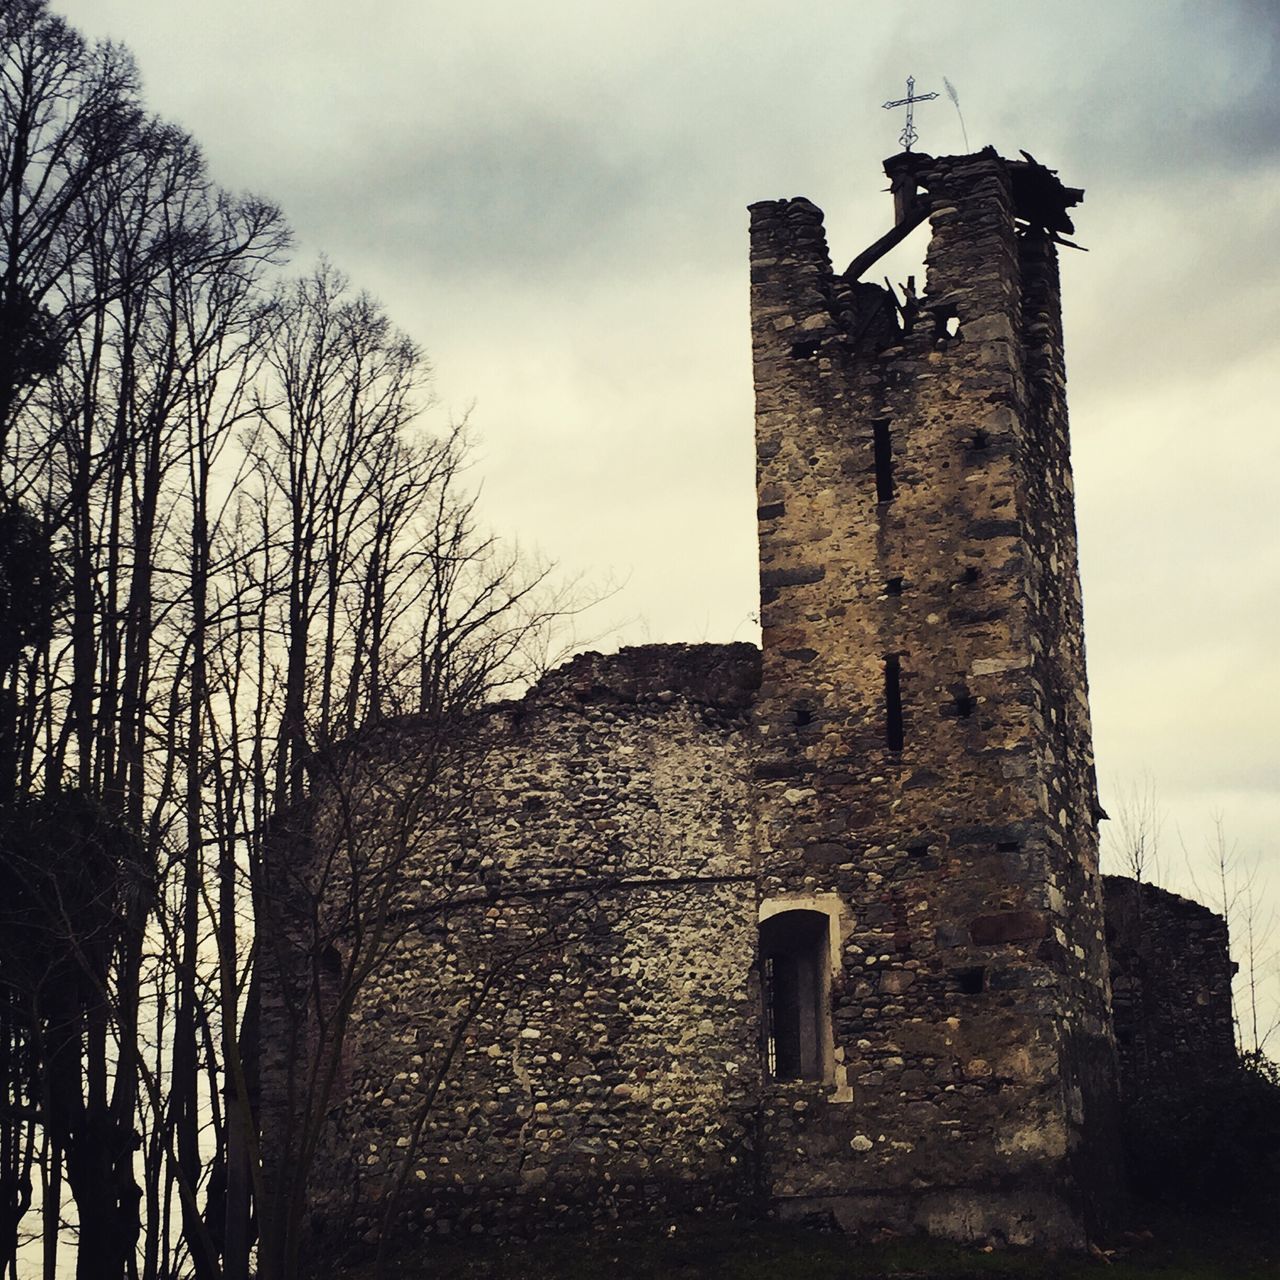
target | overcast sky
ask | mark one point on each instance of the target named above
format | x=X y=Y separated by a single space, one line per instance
x=550 y=196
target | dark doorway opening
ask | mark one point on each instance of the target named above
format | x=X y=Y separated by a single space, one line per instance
x=794 y=951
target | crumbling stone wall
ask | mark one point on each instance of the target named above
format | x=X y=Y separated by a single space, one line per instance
x=916 y=531
x=909 y=762
x=1171 y=972
x=608 y=878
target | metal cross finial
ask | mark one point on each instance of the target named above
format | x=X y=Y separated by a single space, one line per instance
x=909 y=135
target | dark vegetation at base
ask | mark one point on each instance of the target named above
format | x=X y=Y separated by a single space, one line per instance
x=1176 y=1248
x=1211 y=1143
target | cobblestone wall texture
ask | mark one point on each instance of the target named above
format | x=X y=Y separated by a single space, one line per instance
x=910 y=757
x=1171 y=972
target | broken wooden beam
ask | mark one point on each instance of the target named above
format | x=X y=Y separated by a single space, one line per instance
x=893 y=237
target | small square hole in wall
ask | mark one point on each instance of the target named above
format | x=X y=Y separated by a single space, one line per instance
x=970 y=575
x=1008 y=846
x=918 y=850
x=893 y=587
x=965 y=705
x=946 y=324
x=804 y=350
x=971 y=982
x=978 y=442
x=803 y=716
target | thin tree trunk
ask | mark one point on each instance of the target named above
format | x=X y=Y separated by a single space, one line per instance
x=51 y=1207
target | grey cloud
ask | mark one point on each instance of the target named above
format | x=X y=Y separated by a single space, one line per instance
x=515 y=199
x=552 y=198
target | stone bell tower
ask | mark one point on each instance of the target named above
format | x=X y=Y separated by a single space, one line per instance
x=926 y=755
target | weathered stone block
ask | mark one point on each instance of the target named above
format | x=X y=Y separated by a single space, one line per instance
x=1008 y=926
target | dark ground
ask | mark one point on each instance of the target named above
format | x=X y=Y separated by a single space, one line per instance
x=1174 y=1249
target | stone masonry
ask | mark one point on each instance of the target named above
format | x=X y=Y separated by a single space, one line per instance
x=1171 y=973
x=916 y=526
x=816 y=930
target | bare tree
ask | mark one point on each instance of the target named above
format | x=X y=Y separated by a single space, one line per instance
x=30 y=589
x=76 y=891
x=264 y=551
x=131 y=275
x=380 y=853
x=1133 y=843
x=1238 y=891
x=352 y=585
x=68 y=111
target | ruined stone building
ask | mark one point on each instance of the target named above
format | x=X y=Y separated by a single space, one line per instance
x=819 y=928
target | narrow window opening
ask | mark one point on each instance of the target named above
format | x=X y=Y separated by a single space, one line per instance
x=804 y=350
x=1008 y=846
x=883 y=450
x=972 y=982
x=978 y=441
x=917 y=850
x=965 y=704
x=893 y=702
x=893 y=587
x=970 y=575
x=793 y=955
x=803 y=716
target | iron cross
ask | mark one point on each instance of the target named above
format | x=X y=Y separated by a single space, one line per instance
x=909 y=135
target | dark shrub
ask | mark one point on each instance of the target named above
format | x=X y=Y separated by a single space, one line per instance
x=1213 y=1146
